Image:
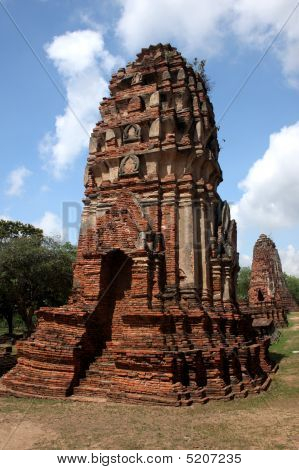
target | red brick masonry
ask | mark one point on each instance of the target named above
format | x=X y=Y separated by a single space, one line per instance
x=153 y=315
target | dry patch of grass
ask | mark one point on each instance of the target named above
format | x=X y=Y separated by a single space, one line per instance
x=255 y=423
x=268 y=421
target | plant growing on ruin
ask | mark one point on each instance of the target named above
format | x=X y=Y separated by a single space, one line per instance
x=200 y=67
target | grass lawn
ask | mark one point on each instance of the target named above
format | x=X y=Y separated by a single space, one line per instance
x=267 y=421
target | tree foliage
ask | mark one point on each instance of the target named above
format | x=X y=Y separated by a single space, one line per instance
x=243 y=283
x=34 y=271
x=14 y=229
x=292 y=283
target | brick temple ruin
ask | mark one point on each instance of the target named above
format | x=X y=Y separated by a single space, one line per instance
x=153 y=316
x=269 y=299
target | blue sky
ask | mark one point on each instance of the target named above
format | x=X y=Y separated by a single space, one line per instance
x=80 y=43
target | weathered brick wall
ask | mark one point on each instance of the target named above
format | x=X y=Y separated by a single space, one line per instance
x=152 y=317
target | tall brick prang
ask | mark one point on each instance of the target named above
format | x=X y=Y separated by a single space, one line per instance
x=268 y=296
x=153 y=315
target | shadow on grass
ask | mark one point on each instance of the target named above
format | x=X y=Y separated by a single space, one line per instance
x=276 y=357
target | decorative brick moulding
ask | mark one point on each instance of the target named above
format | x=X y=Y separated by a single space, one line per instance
x=269 y=299
x=153 y=316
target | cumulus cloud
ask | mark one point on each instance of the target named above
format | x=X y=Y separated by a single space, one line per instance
x=271 y=190
x=192 y=24
x=199 y=26
x=82 y=61
x=258 y=23
x=245 y=260
x=51 y=224
x=290 y=260
x=16 y=181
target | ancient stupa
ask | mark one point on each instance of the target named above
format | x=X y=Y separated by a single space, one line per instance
x=153 y=315
x=268 y=296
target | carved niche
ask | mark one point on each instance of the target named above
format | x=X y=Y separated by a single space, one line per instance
x=129 y=166
x=137 y=78
x=132 y=133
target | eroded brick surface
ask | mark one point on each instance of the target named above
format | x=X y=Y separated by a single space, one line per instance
x=153 y=315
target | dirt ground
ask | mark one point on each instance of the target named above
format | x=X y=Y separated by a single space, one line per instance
x=267 y=421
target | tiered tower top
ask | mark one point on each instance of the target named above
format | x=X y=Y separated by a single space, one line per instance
x=157 y=103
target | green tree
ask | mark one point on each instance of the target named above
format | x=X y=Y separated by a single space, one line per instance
x=243 y=283
x=14 y=229
x=10 y=230
x=292 y=283
x=34 y=271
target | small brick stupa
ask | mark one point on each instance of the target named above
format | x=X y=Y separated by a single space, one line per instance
x=153 y=315
x=269 y=298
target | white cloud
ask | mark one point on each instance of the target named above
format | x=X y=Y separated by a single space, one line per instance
x=4 y=217
x=82 y=61
x=193 y=24
x=257 y=22
x=245 y=260
x=290 y=260
x=16 y=180
x=50 y=223
x=271 y=189
x=199 y=26
x=75 y=51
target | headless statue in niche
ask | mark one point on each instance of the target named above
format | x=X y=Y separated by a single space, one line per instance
x=129 y=165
